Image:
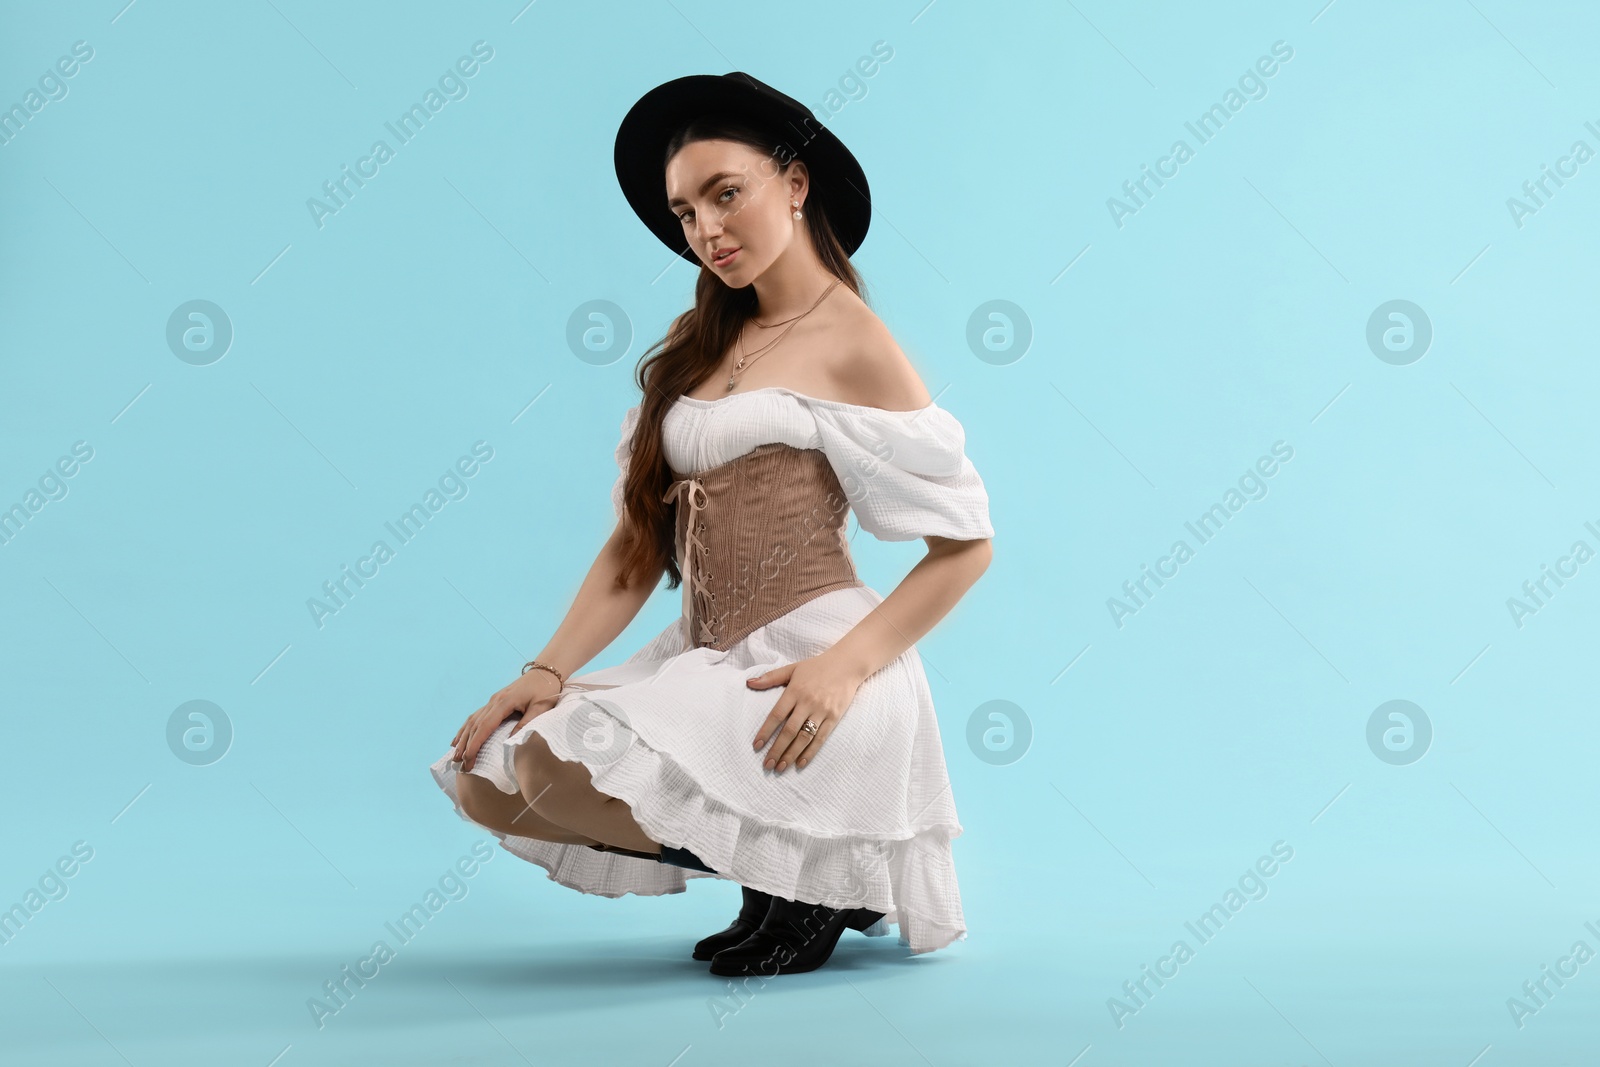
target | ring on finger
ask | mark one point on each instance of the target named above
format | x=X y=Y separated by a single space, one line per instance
x=805 y=754
x=796 y=747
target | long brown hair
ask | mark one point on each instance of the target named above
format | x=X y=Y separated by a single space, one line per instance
x=692 y=350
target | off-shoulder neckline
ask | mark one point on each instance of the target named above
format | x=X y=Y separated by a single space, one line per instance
x=696 y=401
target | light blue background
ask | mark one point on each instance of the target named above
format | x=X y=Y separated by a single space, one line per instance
x=1229 y=713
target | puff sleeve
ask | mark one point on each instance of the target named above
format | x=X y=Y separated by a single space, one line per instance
x=624 y=454
x=906 y=474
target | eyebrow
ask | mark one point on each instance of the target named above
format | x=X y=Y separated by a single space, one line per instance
x=704 y=186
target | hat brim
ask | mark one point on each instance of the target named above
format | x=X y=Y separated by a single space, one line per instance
x=642 y=137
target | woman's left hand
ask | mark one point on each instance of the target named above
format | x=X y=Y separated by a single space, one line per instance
x=820 y=689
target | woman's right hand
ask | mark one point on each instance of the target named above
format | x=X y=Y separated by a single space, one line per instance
x=532 y=694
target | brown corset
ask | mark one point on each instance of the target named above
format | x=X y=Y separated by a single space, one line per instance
x=756 y=537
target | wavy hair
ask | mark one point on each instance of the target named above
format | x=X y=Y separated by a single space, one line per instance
x=692 y=351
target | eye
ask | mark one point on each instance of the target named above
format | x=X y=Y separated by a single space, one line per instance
x=684 y=216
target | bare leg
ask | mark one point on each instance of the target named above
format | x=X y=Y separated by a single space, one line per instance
x=563 y=793
x=510 y=813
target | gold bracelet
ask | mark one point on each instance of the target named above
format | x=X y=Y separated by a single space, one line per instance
x=535 y=665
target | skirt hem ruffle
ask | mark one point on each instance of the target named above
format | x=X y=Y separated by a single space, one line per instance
x=907 y=879
x=563 y=864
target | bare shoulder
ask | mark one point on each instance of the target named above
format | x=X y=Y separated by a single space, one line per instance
x=871 y=370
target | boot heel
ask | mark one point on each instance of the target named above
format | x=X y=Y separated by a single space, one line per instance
x=794 y=937
x=675 y=857
x=682 y=857
x=862 y=918
x=625 y=852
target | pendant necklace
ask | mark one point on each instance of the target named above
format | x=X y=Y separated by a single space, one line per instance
x=744 y=359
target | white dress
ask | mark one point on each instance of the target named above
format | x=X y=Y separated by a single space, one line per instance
x=868 y=823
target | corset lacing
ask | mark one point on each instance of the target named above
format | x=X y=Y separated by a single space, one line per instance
x=697 y=596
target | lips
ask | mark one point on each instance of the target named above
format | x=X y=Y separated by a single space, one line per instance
x=722 y=258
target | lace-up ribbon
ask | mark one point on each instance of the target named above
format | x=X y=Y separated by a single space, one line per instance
x=696 y=595
x=775 y=539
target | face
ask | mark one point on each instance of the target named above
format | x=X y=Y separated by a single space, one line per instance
x=729 y=196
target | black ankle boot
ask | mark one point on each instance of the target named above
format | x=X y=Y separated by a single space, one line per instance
x=793 y=938
x=756 y=904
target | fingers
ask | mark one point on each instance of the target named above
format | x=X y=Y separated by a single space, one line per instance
x=458 y=741
x=808 y=752
x=802 y=739
x=784 y=747
x=791 y=726
x=479 y=736
x=464 y=736
x=779 y=675
x=780 y=712
x=480 y=724
x=487 y=724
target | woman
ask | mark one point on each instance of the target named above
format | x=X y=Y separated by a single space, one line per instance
x=781 y=733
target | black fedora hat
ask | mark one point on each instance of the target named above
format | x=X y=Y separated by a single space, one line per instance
x=840 y=184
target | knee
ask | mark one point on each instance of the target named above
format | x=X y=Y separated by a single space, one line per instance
x=477 y=795
x=538 y=773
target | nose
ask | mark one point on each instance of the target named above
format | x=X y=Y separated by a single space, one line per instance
x=707 y=227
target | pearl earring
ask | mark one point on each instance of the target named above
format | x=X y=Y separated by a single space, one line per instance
x=796 y=205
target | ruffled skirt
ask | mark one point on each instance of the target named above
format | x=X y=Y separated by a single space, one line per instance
x=867 y=823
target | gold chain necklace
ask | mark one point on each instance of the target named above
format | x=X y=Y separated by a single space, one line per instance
x=744 y=359
x=775 y=325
